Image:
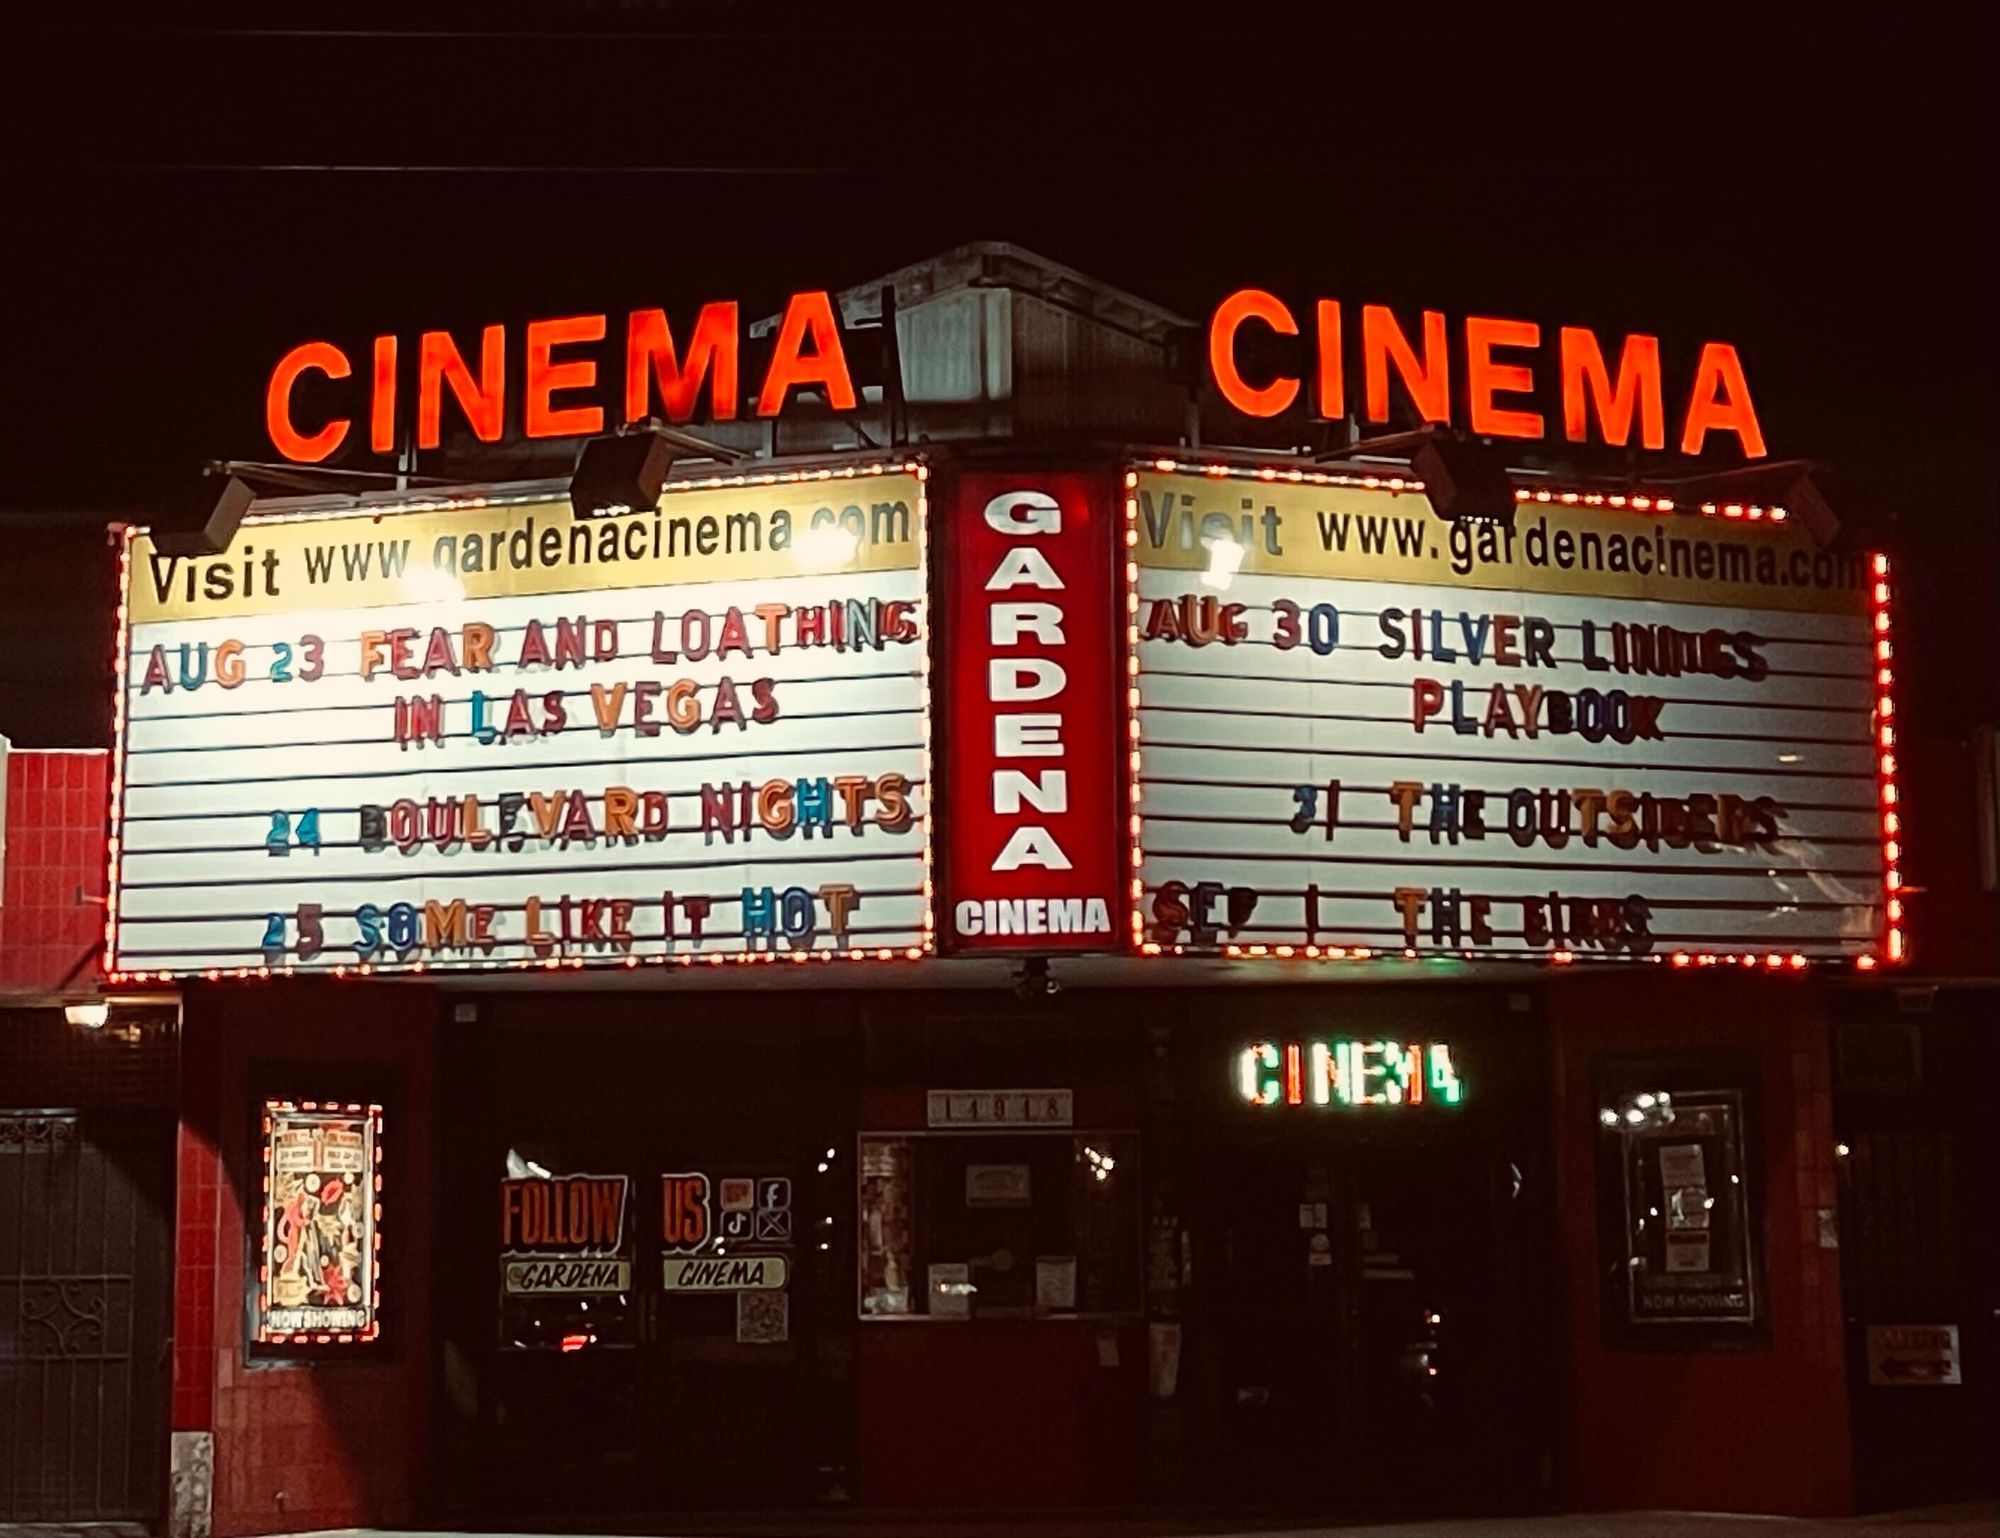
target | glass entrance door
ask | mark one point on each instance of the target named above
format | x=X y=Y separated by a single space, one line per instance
x=652 y=1264
x=1366 y=1306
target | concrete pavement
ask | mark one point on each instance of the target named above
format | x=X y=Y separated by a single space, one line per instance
x=1962 y=1521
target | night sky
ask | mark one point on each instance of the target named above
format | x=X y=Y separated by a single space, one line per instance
x=1827 y=207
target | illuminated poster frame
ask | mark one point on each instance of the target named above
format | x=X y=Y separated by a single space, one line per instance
x=319 y=1228
x=1690 y=1256
x=1682 y=1206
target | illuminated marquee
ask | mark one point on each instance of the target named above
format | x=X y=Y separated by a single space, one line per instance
x=487 y=734
x=1348 y=1073
x=1612 y=729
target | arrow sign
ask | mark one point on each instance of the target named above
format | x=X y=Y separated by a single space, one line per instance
x=1913 y=1355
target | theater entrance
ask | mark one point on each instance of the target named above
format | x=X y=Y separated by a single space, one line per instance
x=644 y=1258
x=1370 y=1307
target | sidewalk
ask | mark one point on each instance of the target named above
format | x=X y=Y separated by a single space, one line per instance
x=1964 y=1521
x=1961 y=1521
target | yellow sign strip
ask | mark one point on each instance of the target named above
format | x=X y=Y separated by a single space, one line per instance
x=1229 y=523
x=850 y=523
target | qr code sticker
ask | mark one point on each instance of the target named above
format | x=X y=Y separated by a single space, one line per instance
x=763 y=1318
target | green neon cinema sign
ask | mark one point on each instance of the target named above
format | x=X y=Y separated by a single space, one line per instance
x=1348 y=1073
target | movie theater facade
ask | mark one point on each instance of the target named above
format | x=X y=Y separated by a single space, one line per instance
x=1020 y=967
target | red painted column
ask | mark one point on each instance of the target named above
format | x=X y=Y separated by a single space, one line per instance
x=1763 y=1428
x=341 y=1439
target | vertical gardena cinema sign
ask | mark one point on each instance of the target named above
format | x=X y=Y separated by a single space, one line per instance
x=1032 y=858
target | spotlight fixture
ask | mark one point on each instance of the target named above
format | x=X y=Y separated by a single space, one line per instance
x=1463 y=480
x=203 y=521
x=1648 y=1110
x=88 y=1016
x=1802 y=500
x=621 y=473
x=624 y=471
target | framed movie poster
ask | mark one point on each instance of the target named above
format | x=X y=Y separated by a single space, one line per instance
x=1685 y=1254
x=319 y=1263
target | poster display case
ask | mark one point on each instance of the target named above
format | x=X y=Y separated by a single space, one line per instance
x=1683 y=1254
x=319 y=1261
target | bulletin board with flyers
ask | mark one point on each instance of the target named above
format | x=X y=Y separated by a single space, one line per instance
x=1022 y=1223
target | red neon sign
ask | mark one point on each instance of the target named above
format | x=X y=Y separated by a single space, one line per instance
x=1483 y=374
x=1032 y=858
x=807 y=354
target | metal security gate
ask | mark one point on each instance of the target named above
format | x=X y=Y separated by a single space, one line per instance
x=84 y=1290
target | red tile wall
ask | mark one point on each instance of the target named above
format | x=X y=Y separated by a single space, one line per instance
x=57 y=814
x=330 y=1443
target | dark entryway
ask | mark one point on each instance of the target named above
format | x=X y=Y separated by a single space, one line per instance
x=86 y=1270
x=84 y=1291
x=1920 y=1261
x=655 y=1399
x=1364 y=1300
x=1369 y=1310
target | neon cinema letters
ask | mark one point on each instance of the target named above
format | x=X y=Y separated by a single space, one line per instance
x=1348 y=1074
x=1481 y=375
x=806 y=355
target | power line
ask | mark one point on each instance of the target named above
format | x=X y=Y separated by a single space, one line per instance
x=481 y=35
x=450 y=169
